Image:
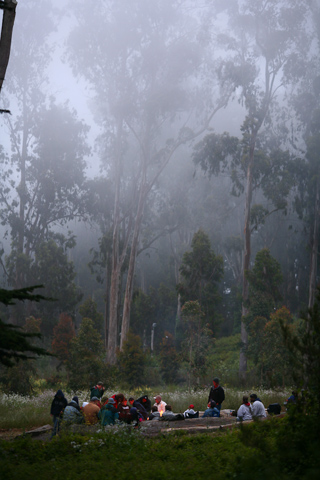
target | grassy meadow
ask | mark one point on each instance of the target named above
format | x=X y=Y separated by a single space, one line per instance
x=268 y=450
x=24 y=412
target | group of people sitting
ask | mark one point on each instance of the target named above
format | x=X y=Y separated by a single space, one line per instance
x=250 y=410
x=109 y=410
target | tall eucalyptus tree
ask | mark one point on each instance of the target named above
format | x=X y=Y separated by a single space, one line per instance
x=143 y=62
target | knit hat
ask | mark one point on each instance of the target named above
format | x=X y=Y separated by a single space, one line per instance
x=191 y=406
x=75 y=399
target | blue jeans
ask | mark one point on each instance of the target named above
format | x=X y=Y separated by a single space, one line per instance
x=56 y=425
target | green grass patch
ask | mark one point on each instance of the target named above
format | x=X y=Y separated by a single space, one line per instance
x=264 y=450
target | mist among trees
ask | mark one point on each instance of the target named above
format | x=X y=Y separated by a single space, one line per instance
x=159 y=177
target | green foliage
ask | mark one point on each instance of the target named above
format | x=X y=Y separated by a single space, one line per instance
x=14 y=342
x=267 y=348
x=131 y=362
x=264 y=279
x=19 y=377
x=89 y=310
x=201 y=270
x=169 y=359
x=158 y=305
x=63 y=333
x=258 y=447
x=196 y=342
x=304 y=346
x=86 y=361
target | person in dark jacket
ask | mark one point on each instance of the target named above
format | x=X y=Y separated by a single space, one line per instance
x=108 y=414
x=124 y=411
x=216 y=393
x=145 y=402
x=140 y=408
x=58 y=405
x=97 y=391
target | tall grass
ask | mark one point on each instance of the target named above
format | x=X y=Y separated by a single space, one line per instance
x=17 y=411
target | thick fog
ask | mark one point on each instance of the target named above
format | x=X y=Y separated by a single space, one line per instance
x=135 y=125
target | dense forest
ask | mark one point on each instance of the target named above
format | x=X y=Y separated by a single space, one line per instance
x=159 y=177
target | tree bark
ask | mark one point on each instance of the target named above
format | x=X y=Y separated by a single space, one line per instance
x=132 y=262
x=246 y=264
x=314 y=250
x=6 y=36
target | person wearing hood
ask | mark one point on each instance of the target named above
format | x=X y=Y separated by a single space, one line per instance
x=145 y=402
x=72 y=412
x=216 y=393
x=108 y=414
x=142 y=412
x=58 y=405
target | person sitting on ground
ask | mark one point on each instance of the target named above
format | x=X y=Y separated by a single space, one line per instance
x=245 y=410
x=292 y=400
x=91 y=411
x=168 y=413
x=72 y=412
x=142 y=411
x=160 y=404
x=57 y=407
x=216 y=393
x=108 y=414
x=212 y=410
x=124 y=411
x=145 y=402
x=190 y=412
x=154 y=415
x=97 y=391
x=257 y=407
x=118 y=398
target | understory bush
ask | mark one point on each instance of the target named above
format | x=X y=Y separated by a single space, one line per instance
x=270 y=449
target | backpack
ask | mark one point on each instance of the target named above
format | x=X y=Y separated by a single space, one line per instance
x=274 y=409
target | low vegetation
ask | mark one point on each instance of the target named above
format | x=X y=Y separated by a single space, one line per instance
x=279 y=448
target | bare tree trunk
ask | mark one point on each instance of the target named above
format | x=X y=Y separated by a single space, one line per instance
x=9 y=14
x=246 y=263
x=314 y=250
x=116 y=262
x=130 y=275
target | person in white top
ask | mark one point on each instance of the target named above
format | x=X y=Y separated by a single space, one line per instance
x=244 y=411
x=160 y=404
x=258 y=409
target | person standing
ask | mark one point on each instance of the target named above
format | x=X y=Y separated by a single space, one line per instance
x=58 y=405
x=97 y=391
x=216 y=393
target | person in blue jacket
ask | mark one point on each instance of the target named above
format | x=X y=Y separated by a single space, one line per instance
x=212 y=410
